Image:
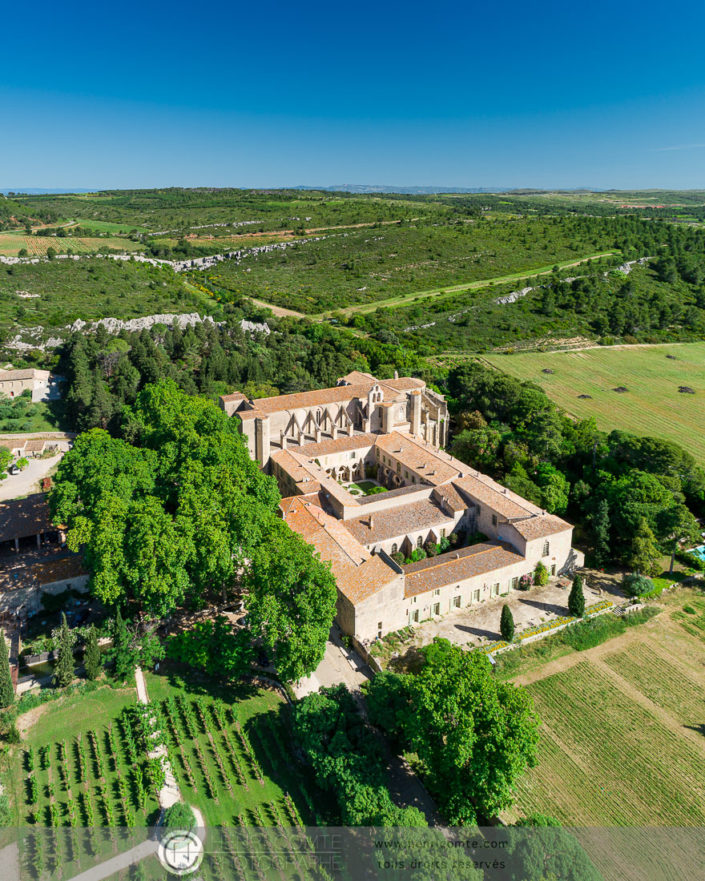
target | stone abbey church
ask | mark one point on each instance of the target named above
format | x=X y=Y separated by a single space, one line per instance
x=364 y=480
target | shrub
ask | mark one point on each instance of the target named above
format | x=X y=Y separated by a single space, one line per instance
x=418 y=554
x=540 y=574
x=637 y=585
x=525 y=582
x=691 y=560
x=179 y=816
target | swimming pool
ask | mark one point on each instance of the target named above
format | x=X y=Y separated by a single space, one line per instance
x=699 y=551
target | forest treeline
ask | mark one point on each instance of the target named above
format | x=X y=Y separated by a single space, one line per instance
x=635 y=497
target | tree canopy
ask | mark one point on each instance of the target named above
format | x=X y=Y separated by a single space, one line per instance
x=175 y=513
x=474 y=735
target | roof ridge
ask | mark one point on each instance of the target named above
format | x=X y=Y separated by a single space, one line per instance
x=484 y=550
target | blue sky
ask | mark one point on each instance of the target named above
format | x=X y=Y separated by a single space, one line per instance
x=606 y=94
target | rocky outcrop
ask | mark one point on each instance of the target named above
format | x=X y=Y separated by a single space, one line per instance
x=32 y=337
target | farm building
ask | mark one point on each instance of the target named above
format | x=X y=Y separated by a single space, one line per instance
x=43 y=385
x=364 y=480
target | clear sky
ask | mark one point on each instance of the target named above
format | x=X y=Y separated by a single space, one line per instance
x=268 y=93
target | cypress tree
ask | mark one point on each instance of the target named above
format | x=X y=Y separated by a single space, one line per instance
x=121 y=654
x=64 y=670
x=601 y=533
x=7 y=692
x=506 y=624
x=576 y=600
x=91 y=657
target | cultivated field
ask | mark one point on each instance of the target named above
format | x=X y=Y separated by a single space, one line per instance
x=622 y=727
x=82 y=778
x=37 y=246
x=652 y=404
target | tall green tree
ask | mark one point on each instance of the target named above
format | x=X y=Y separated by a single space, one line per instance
x=5 y=459
x=506 y=624
x=644 y=555
x=576 y=599
x=92 y=659
x=474 y=735
x=169 y=516
x=7 y=691
x=290 y=601
x=64 y=669
x=122 y=654
x=601 y=533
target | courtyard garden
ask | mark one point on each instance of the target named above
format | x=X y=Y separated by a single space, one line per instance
x=365 y=488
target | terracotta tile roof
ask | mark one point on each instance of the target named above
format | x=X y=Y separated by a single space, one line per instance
x=318 y=397
x=375 y=498
x=237 y=396
x=16 y=444
x=404 y=383
x=358 y=574
x=457 y=566
x=32 y=373
x=292 y=465
x=415 y=456
x=540 y=526
x=356 y=377
x=397 y=522
x=339 y=445
x=452 y=498
x=35 y=446
x=502 y=501
x=23 y=517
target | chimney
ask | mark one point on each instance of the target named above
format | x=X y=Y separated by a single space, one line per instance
x=371 y=521
x=396 y=374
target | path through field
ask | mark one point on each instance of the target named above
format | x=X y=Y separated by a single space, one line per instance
x=435 y=293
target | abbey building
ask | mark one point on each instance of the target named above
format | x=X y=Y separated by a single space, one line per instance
x=410 y=532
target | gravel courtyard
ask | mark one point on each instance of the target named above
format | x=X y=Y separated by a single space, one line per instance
x=477 y=625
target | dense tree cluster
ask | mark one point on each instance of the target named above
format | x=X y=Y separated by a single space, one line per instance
x=348 y=759
x=639 y=495
x=175 y=512
x=474 y=735
x=106 y=372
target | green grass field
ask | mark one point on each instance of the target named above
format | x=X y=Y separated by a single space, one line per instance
x=652 y=406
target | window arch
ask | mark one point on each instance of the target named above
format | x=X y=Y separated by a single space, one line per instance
x=395 y=548
x=419 y=541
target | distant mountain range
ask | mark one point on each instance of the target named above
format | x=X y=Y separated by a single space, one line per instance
x=43 y=191
x=413 y=191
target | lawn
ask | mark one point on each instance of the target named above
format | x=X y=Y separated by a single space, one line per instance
x=652 y=375
x=621 y=740
x=365 y=488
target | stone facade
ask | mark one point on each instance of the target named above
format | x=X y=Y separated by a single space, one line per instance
x=319 y=445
